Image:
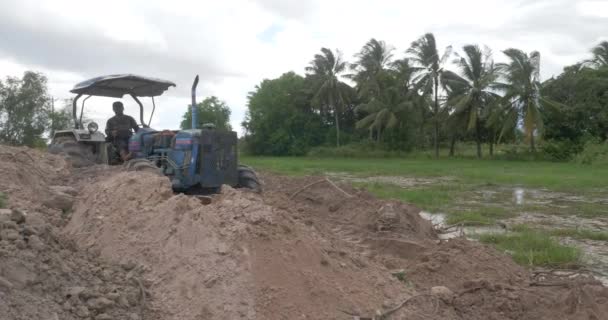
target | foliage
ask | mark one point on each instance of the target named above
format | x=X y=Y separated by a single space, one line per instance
x=472 y=95
x=582 y=94
x=594 y=152
x=560 y=150
x=430 y=66
x=210 y=110
x=600 y=54
x=522 y=92
x=61 y=119
x=280 y=120
x=24 y=109
x=331 y=94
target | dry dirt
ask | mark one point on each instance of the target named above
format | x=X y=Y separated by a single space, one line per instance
x=102 y=243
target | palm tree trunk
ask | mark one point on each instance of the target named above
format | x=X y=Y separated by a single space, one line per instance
x=436 y=142
x=337 y=128
x=478 y=138
x=453 y=145
x=532 y=144
x=492 y=147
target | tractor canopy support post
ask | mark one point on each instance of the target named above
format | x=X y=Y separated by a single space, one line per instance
x=75 y=109
x=141 y=111
x=194 y=108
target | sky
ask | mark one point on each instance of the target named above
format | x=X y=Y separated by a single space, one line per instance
x=234 y=44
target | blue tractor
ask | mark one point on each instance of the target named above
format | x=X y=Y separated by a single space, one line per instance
x=196 y=160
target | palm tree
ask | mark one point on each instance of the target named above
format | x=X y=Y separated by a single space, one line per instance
x=331 y=93
x=383 y=112
x=600 y=54
x=371 y=68
x=423 y=52
x=473 y=91
x=522 y=92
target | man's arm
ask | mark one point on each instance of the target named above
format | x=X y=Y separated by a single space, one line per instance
x=109 y=127
x=134 y=125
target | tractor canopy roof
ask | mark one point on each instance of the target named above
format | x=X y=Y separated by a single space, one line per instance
x=117 y=85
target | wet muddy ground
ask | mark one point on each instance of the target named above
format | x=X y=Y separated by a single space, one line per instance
x=538 y=208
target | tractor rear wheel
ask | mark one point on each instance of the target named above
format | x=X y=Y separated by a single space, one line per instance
x=248 y=179
x=79 y=154
x=142 y=165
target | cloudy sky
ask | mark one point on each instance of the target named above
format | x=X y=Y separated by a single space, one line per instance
x=234 y=44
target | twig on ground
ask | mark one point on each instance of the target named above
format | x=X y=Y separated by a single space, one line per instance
x=321 y=181
x=305 y=187
x=142 y=299
x=338 y=188
x=387 y=313
x=401 y=305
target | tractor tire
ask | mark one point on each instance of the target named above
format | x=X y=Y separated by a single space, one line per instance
x=78 y=154
x=248 y=179
x=142 y=165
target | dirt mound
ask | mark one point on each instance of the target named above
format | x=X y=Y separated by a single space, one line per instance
x=132 y=249
x=238 y=257
x=43 y=275
x=455 y=279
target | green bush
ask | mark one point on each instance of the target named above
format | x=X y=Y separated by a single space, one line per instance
x=560 y=150
x=594 y=152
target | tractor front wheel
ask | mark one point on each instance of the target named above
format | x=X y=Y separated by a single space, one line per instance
x=78 y=154
x=248 y=179
x=142 y=165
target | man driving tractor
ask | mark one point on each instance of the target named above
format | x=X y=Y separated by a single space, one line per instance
x=118 y=130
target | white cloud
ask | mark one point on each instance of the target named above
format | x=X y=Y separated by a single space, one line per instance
x=224 y=41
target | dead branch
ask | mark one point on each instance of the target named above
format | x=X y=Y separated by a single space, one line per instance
x=348 y=195
x=331 y=183
x=305 y=187
x=401 y=305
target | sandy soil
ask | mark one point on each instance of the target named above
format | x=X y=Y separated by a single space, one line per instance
x=102 y=243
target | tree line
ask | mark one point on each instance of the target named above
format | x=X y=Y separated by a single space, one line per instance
x=428 y=98
x=28 y=113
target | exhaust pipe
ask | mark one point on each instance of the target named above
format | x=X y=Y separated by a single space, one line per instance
x=194 y=108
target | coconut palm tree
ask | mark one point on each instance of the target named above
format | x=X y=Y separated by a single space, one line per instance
x=472 y=91
x=522 y=92
x=370 y=70
x=331 y=93
x=382 y=112
x=423 y=52
x=600 y=54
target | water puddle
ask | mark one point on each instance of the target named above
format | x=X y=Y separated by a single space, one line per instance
x=439 y=221
x=399 y=181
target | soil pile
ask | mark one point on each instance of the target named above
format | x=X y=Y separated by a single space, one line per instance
x=238 y=257
x=42 y=274
x=129 y=248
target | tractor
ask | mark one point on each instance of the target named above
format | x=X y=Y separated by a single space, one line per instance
x=196 y=160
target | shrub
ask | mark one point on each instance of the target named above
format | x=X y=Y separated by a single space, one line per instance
x=594 y=152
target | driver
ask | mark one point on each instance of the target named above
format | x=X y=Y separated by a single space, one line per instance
x=118 y=129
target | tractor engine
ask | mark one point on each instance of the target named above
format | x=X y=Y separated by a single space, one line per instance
x=195 y=158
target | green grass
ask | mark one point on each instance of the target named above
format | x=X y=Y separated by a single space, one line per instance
x=432 y=198
x=3 y=200
x=550 y=175
x=532 y=247
x=487 y=215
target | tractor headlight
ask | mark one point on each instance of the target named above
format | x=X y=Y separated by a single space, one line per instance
x=92 y=127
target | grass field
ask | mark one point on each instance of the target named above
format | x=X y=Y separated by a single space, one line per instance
x=550 y=175
x=457 y=188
